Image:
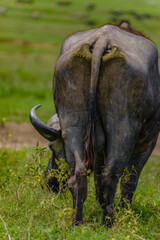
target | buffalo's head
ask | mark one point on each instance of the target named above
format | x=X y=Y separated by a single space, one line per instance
x=51 y=132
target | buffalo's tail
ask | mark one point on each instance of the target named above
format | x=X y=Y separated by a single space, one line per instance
x=102 y=50
x=98 y=50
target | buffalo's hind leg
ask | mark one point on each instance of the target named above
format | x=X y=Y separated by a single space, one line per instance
x=78 y=182
x=132 y=172
x=121 y=135
x=98 y=167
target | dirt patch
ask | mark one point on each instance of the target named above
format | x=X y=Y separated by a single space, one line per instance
x=18 y=135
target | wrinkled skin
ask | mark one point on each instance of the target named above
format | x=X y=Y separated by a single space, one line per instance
x=122 y=69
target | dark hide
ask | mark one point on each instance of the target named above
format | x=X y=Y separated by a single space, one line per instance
x=124 y=83
x=51 y=182
x=107 y=93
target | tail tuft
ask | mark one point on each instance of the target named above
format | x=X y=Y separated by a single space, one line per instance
x=90 y=136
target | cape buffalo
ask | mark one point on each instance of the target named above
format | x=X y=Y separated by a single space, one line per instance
x=107 y=97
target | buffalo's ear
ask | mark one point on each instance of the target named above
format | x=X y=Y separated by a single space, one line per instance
x=53 y=122
x=47 y=132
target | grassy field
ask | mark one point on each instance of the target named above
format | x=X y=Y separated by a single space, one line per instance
x=31 y=33
x=28 y=212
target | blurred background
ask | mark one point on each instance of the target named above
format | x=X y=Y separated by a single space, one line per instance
x=31 y=33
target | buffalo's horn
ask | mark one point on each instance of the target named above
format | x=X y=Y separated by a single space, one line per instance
x=47 y=132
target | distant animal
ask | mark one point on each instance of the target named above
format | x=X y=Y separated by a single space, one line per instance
x=107 y=95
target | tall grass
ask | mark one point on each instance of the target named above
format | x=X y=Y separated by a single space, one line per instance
x=28 y=212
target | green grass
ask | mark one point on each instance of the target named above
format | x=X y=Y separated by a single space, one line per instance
x=25 y=82
x=30 y=40
x=28 y=212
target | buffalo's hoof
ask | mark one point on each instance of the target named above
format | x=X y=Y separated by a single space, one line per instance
x=76 y=220
x=108 y=216
x=108 y=221
x=76 y=223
